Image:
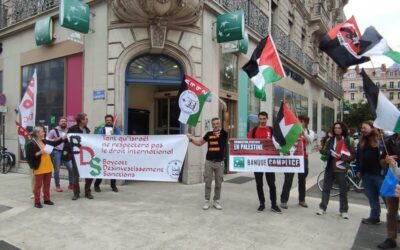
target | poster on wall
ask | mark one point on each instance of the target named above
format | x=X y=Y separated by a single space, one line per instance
x=260 y=155
x=129 y=157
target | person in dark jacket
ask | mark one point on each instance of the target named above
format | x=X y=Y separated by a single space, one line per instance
x=80 y=128
x=39 y=160
x=368 y=157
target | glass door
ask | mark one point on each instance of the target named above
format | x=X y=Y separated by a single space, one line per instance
x=167 y=115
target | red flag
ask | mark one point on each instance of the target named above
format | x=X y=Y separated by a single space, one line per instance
x=21 y=131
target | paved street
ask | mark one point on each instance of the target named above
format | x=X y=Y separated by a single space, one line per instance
x=152 y=215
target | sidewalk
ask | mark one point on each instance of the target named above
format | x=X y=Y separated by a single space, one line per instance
x=154 y=215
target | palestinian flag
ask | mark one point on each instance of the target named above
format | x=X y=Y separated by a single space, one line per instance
x=287 y=129
x=387 y=115
x=342 y=44
x=264 y=66
x=191 y=97
x=373 y=44
x=341 y=149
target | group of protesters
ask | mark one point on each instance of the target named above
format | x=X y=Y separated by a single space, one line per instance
x=45 y=160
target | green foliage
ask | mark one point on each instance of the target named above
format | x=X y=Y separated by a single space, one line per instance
x=358 y=113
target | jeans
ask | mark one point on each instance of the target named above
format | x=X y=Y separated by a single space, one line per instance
x=216 y=168
x=372 y=185
x=271 y=184
x=287 y=184
x=98 y=182
x=42 y=180
x=56 y=159
x=340 y=177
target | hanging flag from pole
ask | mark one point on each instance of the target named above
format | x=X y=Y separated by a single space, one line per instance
x=342 y=44
x=287 y=129
x=23 y=136
x=373 y=44
x=264 y=66
x=387 y=115
x=27 y=107
x=191 y=97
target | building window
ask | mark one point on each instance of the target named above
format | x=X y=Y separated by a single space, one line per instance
x=297 y=103
x=50 y=89
x=352 y=96
x=327 y=118
x=229 y=72
x=253 y=107
x=391 y=85
x=391 y=96
x=352 y=85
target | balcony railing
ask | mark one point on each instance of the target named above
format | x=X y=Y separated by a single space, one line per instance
x=254 y=17
x=335 y=87
x=19 y=10
x=319 y=14
x=291 y=49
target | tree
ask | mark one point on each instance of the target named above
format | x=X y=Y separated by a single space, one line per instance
x=358 y=113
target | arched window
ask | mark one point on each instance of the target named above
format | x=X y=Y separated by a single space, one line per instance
x=155 y=69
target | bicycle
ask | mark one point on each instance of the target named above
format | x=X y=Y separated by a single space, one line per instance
x=7 y=160
x=353 y=181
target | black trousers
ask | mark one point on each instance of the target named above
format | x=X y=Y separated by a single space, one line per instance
x=287 y=184
x=271 y=184
x=98 y=182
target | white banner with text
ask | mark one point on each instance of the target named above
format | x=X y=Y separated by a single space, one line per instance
x=129 y=157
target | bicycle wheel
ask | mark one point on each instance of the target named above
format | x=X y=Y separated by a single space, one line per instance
x=320 y=183
x=5 y=164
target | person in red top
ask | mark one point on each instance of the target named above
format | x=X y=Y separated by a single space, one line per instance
x=262 y=131
x=287 y=184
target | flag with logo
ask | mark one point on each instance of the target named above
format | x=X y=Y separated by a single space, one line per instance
x=191 y=97
x=287 y=129
x=27 y=107
x=342 y=44
x=387 y=115
x=264 y=66
x=373 y=44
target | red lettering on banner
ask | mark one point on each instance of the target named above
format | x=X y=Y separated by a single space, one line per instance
x=87 y=149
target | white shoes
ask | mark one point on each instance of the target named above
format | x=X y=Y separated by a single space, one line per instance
x=344 y=215
x=320 y=211
x=207 y=205
x=217 y=205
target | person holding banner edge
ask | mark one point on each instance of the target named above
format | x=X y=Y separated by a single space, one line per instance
x=306 y=138
x=263 y=131
x=108 y=129
x=80 y=128
x=214 y=165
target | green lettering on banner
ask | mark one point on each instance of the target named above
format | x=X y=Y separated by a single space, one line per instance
x=94 y=163
x=230 y=26
x=44 y=31
x=74 y=15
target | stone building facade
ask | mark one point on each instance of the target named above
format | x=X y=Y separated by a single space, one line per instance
x=131 y=62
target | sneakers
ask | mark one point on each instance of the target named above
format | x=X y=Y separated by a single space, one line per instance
x=114 y=189
x=371 y=221
x=217 y=205
x=320 y=211
x=70 y=187
x=344 y=216
x=97 y=189
x=276 y=209
x=75 y=197
x=284 y=205
x=261 y=208
x=38 y=205
x=58 y=189
x=303 y=204
x=49 y=202
x=206 y=205
x=388 y=244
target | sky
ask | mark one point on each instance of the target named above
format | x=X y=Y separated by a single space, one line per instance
x=384 y=15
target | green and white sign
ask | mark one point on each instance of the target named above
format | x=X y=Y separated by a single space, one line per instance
x=230 y=26
x=44 y=31
x=74 y=15
x=244 y=43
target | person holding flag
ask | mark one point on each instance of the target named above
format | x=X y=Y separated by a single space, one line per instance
x=338 y=152
x=214 y=165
